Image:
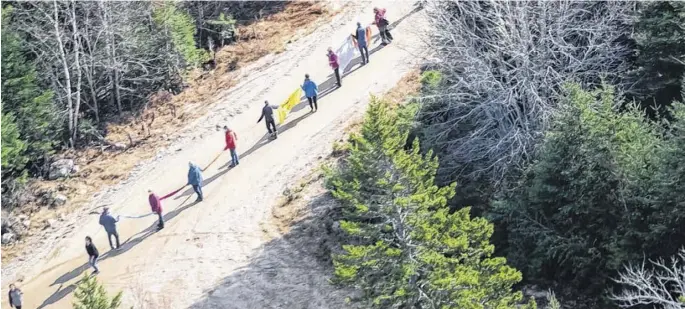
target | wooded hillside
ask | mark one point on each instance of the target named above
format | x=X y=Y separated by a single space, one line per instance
x=562 y=123
x=73 y=69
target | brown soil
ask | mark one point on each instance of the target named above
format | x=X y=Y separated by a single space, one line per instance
x=158 y=124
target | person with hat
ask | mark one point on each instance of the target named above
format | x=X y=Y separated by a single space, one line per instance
x=110 y=224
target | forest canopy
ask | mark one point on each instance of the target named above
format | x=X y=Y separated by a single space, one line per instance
x=563 y=124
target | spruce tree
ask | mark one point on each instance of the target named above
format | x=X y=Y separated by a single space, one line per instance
x=660 y=63
x=90 y=294
x=597 y=195
x=30 y=126
x=180 y=27
x=13 y=148
x=32 y=108
x=404 y=247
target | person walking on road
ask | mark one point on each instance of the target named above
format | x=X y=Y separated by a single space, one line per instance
x=333 y=62
x=93 y=255
x=268 y=116
x=15 y=296
x=382 y=23
x=195 y=180
x=310 y=91
x=360 y=36
x=231 y=137
x=110 y=224
x=156 y=207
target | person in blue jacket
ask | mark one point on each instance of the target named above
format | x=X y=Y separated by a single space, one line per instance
x=360 y=36
x=310 y=91
x=195 y=180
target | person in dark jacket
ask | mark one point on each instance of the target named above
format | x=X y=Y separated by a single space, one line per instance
x=310 y=91
x=156 y=207
x=195 y=180
x=110 y=224
x=15 y=296
x=382 y=23
x=333 y=62
x=231 y=139
x=360 y=35
x=93 y=254
x=268 y=116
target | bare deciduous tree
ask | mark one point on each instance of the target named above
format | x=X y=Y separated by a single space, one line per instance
x=503 y=64
x=101 y=54
x=658 y=284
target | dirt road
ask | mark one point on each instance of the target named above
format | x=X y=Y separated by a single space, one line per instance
x=222 y=253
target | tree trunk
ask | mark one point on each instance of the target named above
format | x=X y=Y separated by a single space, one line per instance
x=93 y=95
x=111 y=58
x=77 y=63
x=67 y=74
x=115 y=88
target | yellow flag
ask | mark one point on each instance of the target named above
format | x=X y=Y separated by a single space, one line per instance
x=285 y=108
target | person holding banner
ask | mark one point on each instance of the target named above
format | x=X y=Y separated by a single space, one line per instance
x=195 y=180
x=268 y=116
x=310 y=91
x=156 y=207
x=360 y=36
x=110 y=224
x=333 y=62
x=382 y=23
x=231 y=138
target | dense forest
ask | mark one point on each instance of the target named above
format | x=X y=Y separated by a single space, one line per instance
x=70 y=68
x=546 y=147
x=550 y=133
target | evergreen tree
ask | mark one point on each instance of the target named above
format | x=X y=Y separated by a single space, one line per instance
x=31 y=107
x=180 y=27
x=660 y=65
x=405 y=249
x=90 y=294
x=13 y=148
x=596 y=195
x=29 y=122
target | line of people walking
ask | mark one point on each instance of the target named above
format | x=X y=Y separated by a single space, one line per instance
x=195 y=179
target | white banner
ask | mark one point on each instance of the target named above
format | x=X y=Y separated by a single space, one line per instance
x=346 y=53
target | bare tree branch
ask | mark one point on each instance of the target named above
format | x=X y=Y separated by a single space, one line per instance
x=503 y=64
x=657 y=284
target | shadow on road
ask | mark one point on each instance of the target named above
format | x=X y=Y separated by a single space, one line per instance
x=291 y=271
x=125 y=247
x=288 y=269
x=262 y=141
x=58 y=295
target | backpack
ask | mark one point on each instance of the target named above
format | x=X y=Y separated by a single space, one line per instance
x=383 y=22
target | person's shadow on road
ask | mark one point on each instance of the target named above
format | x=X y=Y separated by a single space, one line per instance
x=128 y=244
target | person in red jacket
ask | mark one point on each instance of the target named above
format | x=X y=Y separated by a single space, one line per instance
x=382 y=23
x=231 y=138
x=333 y=62
x=156 y=207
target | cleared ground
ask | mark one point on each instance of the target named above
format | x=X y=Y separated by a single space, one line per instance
x=224 y=252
